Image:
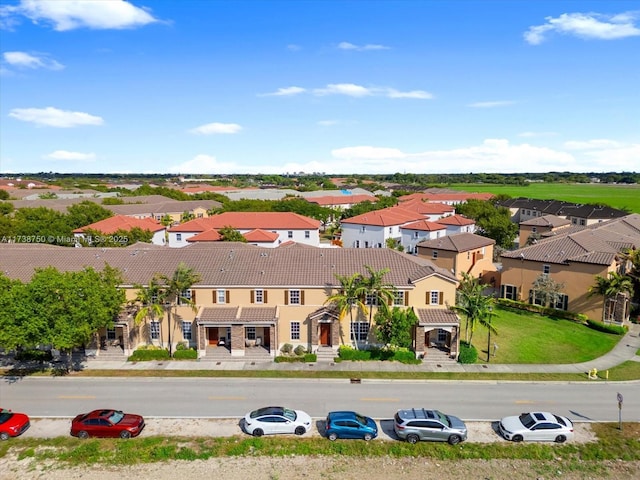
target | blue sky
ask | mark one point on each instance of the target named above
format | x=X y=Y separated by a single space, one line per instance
x=331 y=86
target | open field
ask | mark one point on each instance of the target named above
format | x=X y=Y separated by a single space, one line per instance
x=626 y=197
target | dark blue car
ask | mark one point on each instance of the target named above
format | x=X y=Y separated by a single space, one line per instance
x=350 y=425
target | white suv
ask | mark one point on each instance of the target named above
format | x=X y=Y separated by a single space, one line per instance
x=417 y=424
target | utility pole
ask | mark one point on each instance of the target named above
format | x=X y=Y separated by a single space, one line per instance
x=620 y=400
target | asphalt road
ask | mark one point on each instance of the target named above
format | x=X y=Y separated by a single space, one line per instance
x=213 y=397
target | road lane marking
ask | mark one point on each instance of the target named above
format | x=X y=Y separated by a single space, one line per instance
x=77 y=397
x=379 y=399
x=227 y=398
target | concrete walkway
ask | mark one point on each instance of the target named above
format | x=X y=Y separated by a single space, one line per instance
x=625 y=350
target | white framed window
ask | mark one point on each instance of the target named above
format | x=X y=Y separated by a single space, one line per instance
x=442 y=335
x=186 y=330
x=371 y=299
x=221 y=296
x=185 y=297
x=154 y=330
x=289 y=234
x=534 y=230
x=359 y=331
x=560 y=302
x=398 y=299
x=251 y=333
x=307 y=234
x=546 y=269
x=363 y=228
x=258 y=296
x=366 y=244
x=434 y=254
x=415 y=234
x=434 y=297
x=178 y=237
x=111 y=333
x=294 y=297
x=510 y=292
x=357 y=243
x=295 y=330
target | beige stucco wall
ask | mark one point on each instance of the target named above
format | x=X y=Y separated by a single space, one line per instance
x=459 y=262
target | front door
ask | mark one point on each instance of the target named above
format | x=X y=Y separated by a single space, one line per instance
x=325 y=334
x=213 y=336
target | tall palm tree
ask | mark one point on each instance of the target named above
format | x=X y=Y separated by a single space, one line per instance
x=350 y=295
x=174 y=295
x=476 y=307
x=609 y=288
x=382 y=294
x=149 y=299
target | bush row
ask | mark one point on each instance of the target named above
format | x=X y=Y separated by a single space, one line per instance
x=606 y=328
x=306 y=358
x=402 y=355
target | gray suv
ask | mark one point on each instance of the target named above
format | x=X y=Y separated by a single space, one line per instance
x=420 y=424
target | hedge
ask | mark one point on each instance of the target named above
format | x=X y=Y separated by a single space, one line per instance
x=468 y=353
x=402 y=355
x=606 y=328
x=306 y=358
x=188 y=354
x=145 y=355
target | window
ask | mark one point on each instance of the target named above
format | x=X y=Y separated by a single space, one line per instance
x=359 y=331
x=154 y=330
x=442 y=335
x=560 y=302
x=390 y=230
x=295 y=330
x=583 y=222
x=221 y=296
x=510 y=292
x=363 y=228
x=289 y=234
x=415 y=234
x=294 y=297
x=178 y=237
x=251 y=333
x=186 y=330
x=371 y=299
x=357 y=243
x=200 y=215
x=434 y=254
x=468 y=255
x=546 y=269
x=434 y=297
x=307 y=234
x=399 y=298
x=258 y=296
x=536 y=297
x=534 y=230
x=111 y=333
x=185 y=297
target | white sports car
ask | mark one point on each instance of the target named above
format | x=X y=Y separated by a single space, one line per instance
x=270 y=420
x=542 y=426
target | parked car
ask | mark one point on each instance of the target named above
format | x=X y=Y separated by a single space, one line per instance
x=345 y=424
x=417 y=424
x=543 y=426
x=270 y=420
x=107 y=423
x=12 y=424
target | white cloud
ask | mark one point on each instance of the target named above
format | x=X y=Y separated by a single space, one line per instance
x=420 y=94
x=587 y=26
x=71 y=14
x=66 y=155
x=492 y=104
x=216 y=128
x=361 y=48
x=285 y=92
x=622 y=158
x=597 y=143
x=54 y=117
x=349 y=89
x=26 y=60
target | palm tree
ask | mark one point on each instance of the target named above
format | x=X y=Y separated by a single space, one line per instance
x=149 y=298
x=381 y=294
x=351 y=294
x=609 y=288
x=174 y=292
x=476 y=307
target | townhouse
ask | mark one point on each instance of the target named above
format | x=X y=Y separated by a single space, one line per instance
x=532 y=230
x=573 y=259
x=286 y=226
x=121 y=223
x=251 y=297
x=523 y=209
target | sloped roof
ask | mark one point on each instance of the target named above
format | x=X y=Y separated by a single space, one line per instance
x=460 y=242
x=424 y=226
x=457 y=220
x=563 y=209
x=552 y=221
x=250 y=221
x=122 y=222
x=227 y=315
x=427 y=208
x=259 y=235
x=386 y=217
x=206 y=236
x=342 y=199
x=438 y=316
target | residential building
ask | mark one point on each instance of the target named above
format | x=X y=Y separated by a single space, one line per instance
x=458 y=224
x=121 y=223
x=532 y=230
x=523 y=209
x=373 y=229
x=415 y=232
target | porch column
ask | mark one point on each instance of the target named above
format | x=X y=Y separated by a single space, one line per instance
x=313 y=330
x=126 y=339
x=419 y=348
x=201 y=339
x=273 y=341
x=454 y=347
x=335 y=333
x=237 y=340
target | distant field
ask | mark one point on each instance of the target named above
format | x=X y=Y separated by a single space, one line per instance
x=626 y=197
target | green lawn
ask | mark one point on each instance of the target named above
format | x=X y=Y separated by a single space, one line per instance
x=528 y=338
x=617 y=196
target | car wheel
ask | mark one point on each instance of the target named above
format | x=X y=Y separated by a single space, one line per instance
x=300 y=431
x=125 y=434
x=367 y=437
x=454 y=439
x=412 y=438
x=4 y=436
x=333 y=436
x=561 y=439
x=83 y=434
x=258 y=432
x=517 y=438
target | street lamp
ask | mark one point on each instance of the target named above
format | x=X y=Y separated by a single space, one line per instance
x=489 y=336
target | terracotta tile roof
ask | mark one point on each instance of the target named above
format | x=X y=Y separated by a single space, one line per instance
x=226 y=263
x=230 y=315
x=122 y=222
x=598 y=243
x=250 y=221
x=456 y=220
x=342 y=199
x=547 y=221
x=218 y=315
x=259 y=235
x=206 y=236
x=257 y=314
x=424 y=226
x=385 y=217
x=428 y=208
x=439 y=316
x=460 y=242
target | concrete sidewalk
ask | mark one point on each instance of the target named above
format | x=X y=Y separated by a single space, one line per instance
x=625 y=350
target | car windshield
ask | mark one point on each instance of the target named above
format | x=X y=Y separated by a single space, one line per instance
x=290 y=414
x=116 y=417
x=560 y=420
x=443 y=418
x=5 y=415
x=527 y=420
x=361 y=419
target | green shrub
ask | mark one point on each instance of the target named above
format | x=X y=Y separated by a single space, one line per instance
x=606 y=328
x=405 y=355
x=185 y=354
x=287 y=348
x=546 y=311
x=346 y=352
x=468 y=353
x=300 y=350
x=288 y=359
x=310 y=357
x=34 y=355
x=146 y=354
x=182 y=346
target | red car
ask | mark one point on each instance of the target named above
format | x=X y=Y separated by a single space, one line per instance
x=12 y=424
x=107 y=423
